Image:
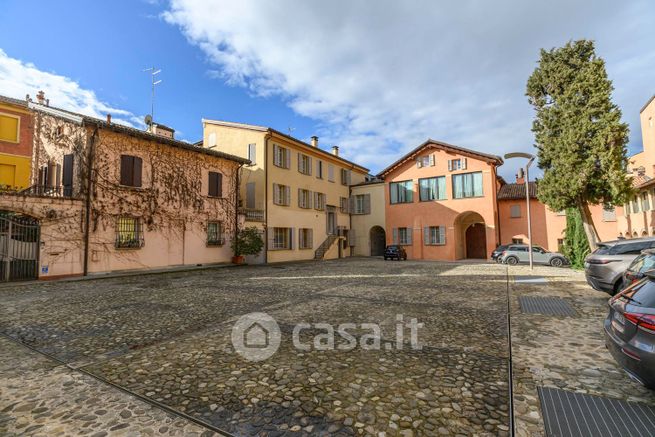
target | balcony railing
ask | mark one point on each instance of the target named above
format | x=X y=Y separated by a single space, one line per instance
x=253 y=215
x=47 y=191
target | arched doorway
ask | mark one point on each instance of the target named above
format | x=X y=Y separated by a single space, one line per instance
x=378 y=240
x=470 y=236
x=19 y=246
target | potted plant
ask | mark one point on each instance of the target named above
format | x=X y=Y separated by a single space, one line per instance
x=248 y=241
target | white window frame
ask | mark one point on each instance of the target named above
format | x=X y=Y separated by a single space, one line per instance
x=305 y=238
x=434 y=236
x=304 y=198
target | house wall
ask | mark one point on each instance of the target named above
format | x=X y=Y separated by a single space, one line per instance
x=363 y=223
x=15 y=156
x=296 y=217
x=173 y=206
x=61 y=251
x=455 y=214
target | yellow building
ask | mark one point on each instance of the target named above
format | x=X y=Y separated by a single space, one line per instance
x=15 y=144
x=368 y=217
x=295 y=192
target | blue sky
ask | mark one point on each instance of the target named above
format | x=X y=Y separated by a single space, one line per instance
x=375 y=78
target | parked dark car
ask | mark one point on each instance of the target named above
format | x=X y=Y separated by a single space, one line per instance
x=498 y=251
x=630 y=330
x=604 y=267
x=395 y=252
x=637 y=270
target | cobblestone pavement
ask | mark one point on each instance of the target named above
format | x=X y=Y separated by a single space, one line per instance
x=563 y=352
x=167 y=337
x=41 y=398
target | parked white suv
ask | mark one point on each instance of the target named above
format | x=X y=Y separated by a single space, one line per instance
x=519 y=253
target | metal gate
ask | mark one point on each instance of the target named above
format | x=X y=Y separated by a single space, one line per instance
x=19 y=247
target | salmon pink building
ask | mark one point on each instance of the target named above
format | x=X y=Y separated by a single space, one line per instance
x=440 y=202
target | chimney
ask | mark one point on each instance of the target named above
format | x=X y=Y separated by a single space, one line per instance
x=641 y=171
x=335 y=150
x=108 y=118
x=520 y=177
x=314 y=141
x=40 y=97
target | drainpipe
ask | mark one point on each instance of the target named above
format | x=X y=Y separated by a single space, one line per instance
x=266 y=138
x=87 y=214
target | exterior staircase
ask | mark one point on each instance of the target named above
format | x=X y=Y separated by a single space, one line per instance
x=325 y=246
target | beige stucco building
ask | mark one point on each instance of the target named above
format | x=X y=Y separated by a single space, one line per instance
x=637 y=218
x=368 y=217
x=295 y=192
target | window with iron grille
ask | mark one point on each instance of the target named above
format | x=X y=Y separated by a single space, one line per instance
x=319 y=201
x=281 y=157
x=215 y=188
x=129 y=233
x=305 y=237
x=131 y=167
x=304 y=164
x=215 y=234
x=434 y=235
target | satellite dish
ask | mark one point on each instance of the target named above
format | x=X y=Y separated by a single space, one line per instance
x=148 y=119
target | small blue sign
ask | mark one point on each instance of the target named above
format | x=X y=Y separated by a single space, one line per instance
x=44 y=269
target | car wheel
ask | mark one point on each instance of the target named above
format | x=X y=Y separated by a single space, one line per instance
x=512 y=260
x=557 y=262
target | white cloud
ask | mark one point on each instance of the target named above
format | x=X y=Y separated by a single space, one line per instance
x=18 y=78
x=381 y=77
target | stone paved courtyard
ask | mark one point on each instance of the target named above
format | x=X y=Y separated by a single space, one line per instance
x=166 y=338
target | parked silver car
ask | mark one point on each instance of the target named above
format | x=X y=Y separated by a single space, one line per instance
x=519 y=253
x=604 y=267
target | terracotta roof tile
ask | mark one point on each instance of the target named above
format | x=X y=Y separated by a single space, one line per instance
x=516 y=191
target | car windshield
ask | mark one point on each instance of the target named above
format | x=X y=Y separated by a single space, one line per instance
x=392 y=247
x=501 y=248
x=643 y=263
x=633 y=248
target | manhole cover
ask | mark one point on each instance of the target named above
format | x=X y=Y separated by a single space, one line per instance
x=550 y=306
x=578 y=415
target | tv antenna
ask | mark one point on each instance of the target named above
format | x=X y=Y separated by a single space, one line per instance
x=291 y=129
x=153 y=72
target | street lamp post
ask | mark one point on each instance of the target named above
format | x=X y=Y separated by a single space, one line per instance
x=530 y=159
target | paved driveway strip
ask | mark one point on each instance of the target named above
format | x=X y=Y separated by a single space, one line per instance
x=562 y=352
x=166 y=337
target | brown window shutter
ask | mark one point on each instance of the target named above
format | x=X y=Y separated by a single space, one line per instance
x=138 y=166
x=213 y=184
x=219 y=185
x=127 y=164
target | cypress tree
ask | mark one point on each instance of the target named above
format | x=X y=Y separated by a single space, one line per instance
x=576 y=246
x=579 y=135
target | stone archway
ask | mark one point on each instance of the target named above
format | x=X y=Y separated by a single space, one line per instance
x=470 y=236
x=378 y=239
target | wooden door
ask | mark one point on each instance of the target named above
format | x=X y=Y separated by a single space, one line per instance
x=476 y=241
